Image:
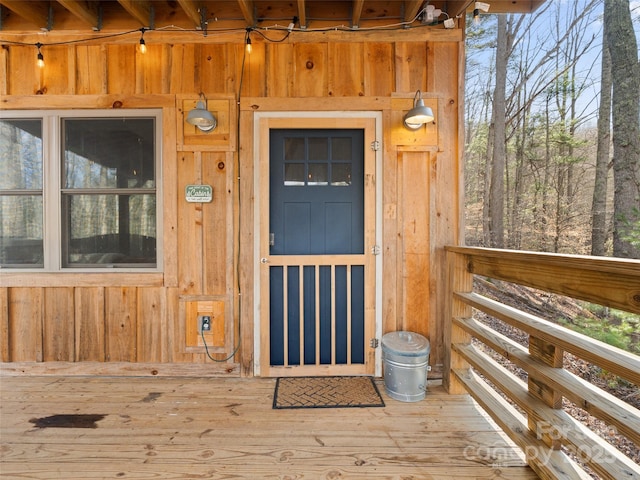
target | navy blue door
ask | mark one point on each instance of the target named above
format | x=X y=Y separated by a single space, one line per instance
x=316 y=223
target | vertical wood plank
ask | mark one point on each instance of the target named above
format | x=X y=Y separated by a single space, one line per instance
x=215 y=62
x=379 y=69
x=4 y=323
x=89 y=311
x=151 y=309
x=253 y=83
x=174 y=338
x=310 y=70
x=24 y=74
x=121 y=69
x=445 y=73
x=152 y=70
x=346 y=69
x=170 y=197
x=120 y=324
x=411 y=66
x=4 y=71
x=391 y=233
x=25 y=324
x=215 y=224
x=244 y=171
x=415 y=241
x=58 y=325
x=91 y=72
x=189 y=220
x=184 y=69
x=279 y=69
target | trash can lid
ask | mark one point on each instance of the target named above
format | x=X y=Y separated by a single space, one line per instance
x=409 y=344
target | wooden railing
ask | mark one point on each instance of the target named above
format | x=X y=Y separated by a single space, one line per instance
x=531 y=412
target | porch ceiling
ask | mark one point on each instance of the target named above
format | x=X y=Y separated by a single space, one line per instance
x=111 y=15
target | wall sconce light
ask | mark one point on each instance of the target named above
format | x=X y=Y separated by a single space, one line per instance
x=201 y=117
x=419 y=114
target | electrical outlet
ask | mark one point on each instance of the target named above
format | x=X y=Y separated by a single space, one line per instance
x=204 y=323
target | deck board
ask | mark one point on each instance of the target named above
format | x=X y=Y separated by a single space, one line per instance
x=176 y=428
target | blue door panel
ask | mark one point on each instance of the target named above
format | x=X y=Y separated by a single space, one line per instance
x=316 y=207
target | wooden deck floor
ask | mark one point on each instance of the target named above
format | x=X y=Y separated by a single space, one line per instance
x=159 y=428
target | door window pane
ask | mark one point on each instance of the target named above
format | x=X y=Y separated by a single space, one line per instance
x=294 y=174
x=318 y=174
x=340 y=148
x=294 y=149
x=340 y=174
x=318 y=148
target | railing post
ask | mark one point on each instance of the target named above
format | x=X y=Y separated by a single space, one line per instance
x=551 y=355
x=459 y=279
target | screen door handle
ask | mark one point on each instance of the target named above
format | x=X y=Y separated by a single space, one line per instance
x=272 y=239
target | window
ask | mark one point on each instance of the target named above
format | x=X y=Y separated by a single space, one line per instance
x=79 y=190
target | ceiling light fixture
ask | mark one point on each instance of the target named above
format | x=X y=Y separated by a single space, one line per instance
x=419 y=114
x=201 y=117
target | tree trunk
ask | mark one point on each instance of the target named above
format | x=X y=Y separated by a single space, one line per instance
x=599 y=203
x=625 y=75
x=496 y=193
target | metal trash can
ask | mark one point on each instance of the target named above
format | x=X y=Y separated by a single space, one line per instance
x=405 y=358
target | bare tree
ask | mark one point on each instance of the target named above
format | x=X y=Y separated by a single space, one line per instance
x=599 y=203
x=625 y=75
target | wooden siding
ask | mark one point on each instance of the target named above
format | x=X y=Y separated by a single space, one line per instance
x=116 y=319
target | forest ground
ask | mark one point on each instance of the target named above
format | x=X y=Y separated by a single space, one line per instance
x=553 y=307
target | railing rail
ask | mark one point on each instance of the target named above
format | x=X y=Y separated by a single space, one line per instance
x=531 y=412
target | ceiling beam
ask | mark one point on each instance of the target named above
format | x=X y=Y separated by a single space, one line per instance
x=192 y=9
x=85 y=11
x=302 y=14
x=411 y=9
x=140 y=10
x=248 y=11
x=356 y=14
x=33 y=12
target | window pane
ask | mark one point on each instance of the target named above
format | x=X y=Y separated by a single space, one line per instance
x=341 y=148
x=109 y=153
x=318 y=174
x=341 y=174
x=21 y=231
x=294 y=148
x=110 y=229
x=294 y=174
x=21 y=154
x=318 y=148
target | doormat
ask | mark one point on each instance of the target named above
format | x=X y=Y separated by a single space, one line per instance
x=326 y=392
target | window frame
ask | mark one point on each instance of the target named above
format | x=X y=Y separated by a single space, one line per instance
x=52 y=186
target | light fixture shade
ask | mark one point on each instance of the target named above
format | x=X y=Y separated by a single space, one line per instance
x=419 y=114
x=201 y=117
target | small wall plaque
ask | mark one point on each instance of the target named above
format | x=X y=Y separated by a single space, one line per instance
x=198 y=193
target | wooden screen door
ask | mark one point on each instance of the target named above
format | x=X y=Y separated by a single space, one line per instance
x=317 y=253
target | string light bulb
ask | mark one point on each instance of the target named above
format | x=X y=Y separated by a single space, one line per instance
x=248 y=41
x=143 y=45
x=477 y=8
x=40 y=56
